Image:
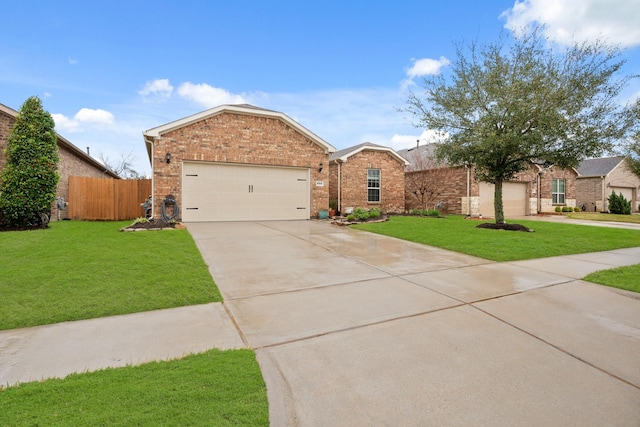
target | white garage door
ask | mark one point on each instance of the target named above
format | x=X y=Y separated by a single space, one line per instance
x=626 y=192
x=230 y=192
x=514 y=199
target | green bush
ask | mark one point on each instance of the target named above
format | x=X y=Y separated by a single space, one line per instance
x=558 y=209
x=361 y=214
x=415 y=211
x=433 y=212
x=567 y=209
x=577 y=209
x=618 y=204
x=351 y=217
x=375 y=213
x=30 y=176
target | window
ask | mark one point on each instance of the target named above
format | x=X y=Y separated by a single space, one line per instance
x=557 y=192
x=373 y=185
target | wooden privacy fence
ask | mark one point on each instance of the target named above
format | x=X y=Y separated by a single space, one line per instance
x=107 y=199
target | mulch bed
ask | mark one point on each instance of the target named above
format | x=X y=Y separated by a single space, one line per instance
x=151 y=225
x=508 y=227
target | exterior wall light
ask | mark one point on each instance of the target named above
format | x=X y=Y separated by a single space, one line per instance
x=168 y=157
x=320 y=166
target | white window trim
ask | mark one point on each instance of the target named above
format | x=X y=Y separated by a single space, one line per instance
x=378 y=188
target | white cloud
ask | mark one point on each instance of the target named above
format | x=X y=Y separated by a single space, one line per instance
x=84 y=116
x=423 y=67
x=614 y=21
x=87 y=115
x=427 y=66
x=64 y=124
x=73 y=61
x=208 y=96
x=159 y=87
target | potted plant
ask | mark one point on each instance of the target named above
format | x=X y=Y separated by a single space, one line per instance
x=333 y=207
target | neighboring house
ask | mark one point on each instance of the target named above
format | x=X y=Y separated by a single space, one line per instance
x=73 y=161
x=239 y=162
x=367 y=175
x=600 y=177
x=533 y=191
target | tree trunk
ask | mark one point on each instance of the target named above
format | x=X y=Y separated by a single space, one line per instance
x=497 y=203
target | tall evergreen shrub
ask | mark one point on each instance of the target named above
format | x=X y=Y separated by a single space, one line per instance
x=29 y=179
x=618 y=204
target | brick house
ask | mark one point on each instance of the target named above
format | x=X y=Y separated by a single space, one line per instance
x=600 y=177
x=536 y=190
x=73 y=161
x=238 y=162
x=367 y=175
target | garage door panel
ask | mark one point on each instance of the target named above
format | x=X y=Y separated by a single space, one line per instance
x=225 y=192
x=626 y=192
x=514 y=199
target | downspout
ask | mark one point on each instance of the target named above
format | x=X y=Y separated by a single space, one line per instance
x=468 y=190
x=339 y=192
x=538 y=197
x=153 y=178
x=603 y=191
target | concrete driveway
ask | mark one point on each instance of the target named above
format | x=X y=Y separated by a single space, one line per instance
x=356 y=329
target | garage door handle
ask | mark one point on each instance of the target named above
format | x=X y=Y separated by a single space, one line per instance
x=251 y=189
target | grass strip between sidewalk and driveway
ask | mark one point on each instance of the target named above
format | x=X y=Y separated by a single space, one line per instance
x=458 y=234
x=221 y=388
x=80 y=270
x=627 y=278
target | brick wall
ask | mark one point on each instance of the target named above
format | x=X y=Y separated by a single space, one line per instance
x=589 y=193
x=353 y=181
x=6 y=123
x=449 y=186
x=238 y=138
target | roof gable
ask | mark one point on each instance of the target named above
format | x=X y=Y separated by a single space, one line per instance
x=599 y=167
x=344 y=154
x=247 y=109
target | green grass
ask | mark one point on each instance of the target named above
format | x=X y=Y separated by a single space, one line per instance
x=80 y=270
x=596 y=216
x=215 y=388
x=627 y=278
x=549 y=239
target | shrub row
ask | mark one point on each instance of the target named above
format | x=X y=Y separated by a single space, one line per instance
x=425 y=212
x=360 y=214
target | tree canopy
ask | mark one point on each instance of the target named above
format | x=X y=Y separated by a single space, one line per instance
x=633 y=156
x=521 y=101
x=30 y=176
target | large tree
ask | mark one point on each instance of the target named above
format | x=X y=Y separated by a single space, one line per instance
x=522 y=100
x=30 y=176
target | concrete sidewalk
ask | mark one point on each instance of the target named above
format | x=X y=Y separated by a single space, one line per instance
x=55 y=351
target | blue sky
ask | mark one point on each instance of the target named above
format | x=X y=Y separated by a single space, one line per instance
x=107 y=71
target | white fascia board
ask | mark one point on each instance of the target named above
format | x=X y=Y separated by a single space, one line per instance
x=370 y=148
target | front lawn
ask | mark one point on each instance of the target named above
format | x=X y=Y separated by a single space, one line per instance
x=461 y=235
x=79 y=270
x=627 y=278
x=216 y=388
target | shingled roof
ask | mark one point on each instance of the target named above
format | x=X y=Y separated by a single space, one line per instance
x=599 y=167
